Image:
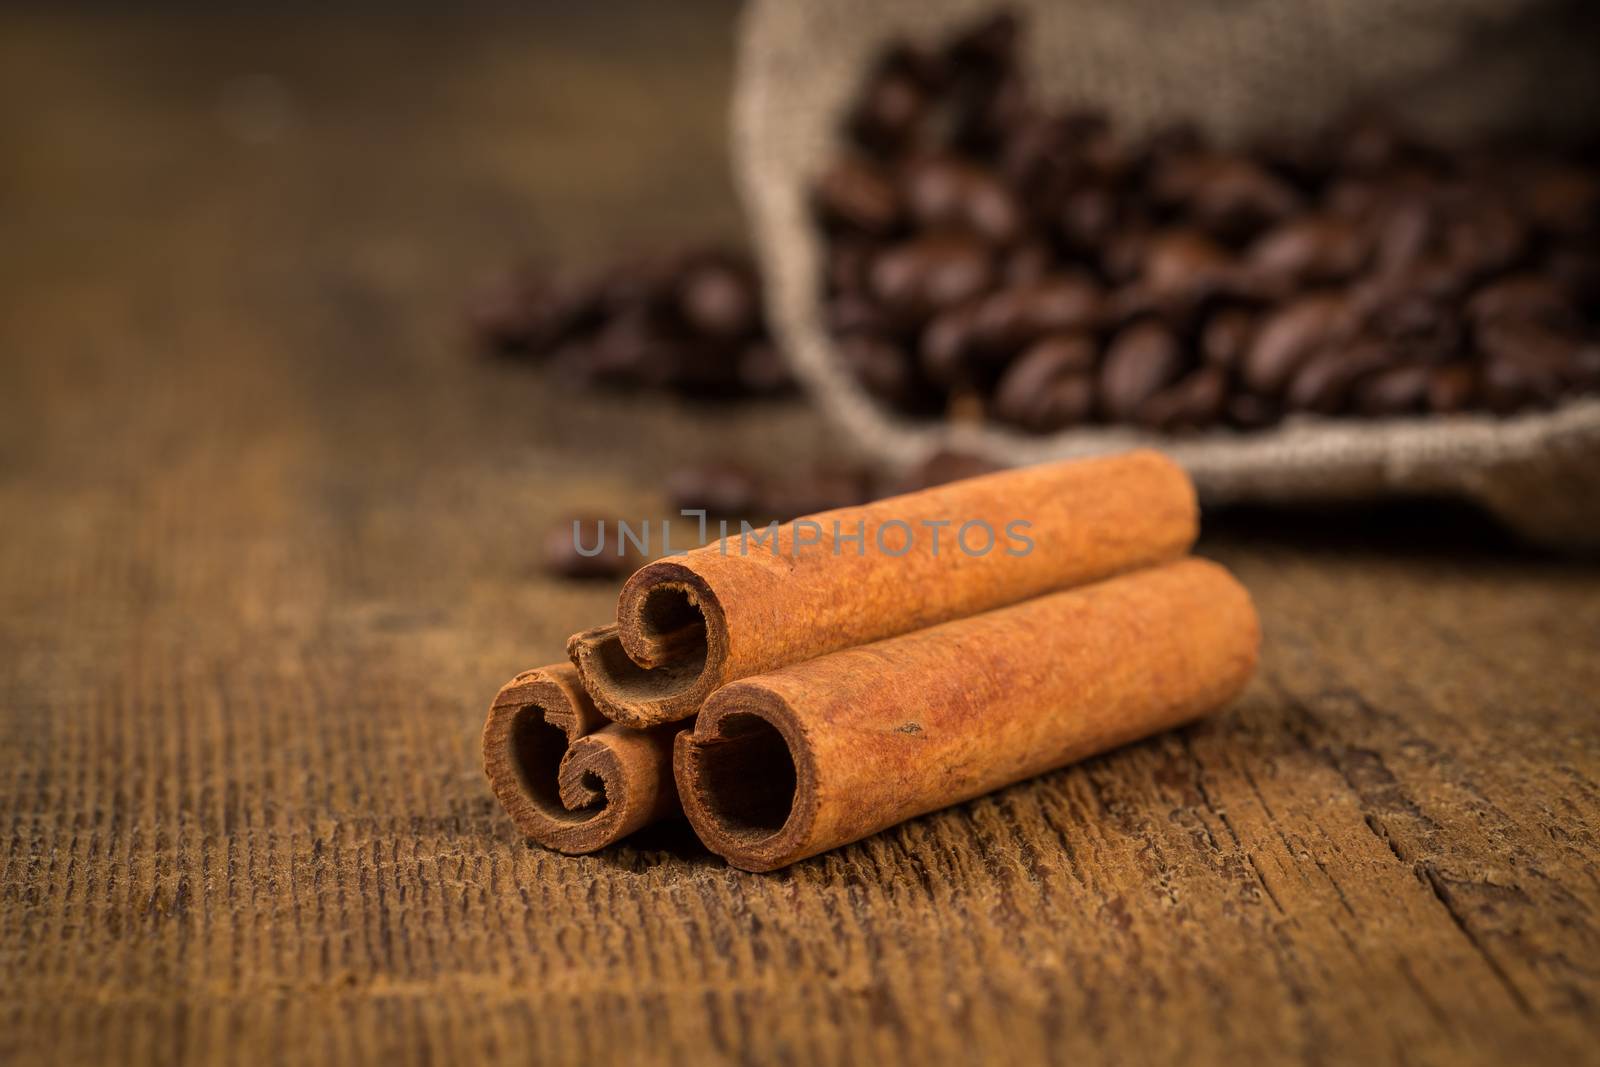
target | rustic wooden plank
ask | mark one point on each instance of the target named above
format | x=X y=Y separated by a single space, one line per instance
x=268 y=552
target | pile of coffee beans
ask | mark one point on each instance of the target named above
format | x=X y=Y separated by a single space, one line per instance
x=989 y=258
x=689 y=322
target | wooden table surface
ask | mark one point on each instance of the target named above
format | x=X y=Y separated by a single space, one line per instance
x=270 y=543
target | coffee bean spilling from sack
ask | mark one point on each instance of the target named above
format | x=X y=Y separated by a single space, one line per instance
x=690 y=322
x=988 y=256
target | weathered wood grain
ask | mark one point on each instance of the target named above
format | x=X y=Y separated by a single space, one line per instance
x=267 y=546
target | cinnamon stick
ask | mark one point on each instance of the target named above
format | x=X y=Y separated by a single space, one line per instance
x=789 y=764
x=736 y=608
x=569 y=778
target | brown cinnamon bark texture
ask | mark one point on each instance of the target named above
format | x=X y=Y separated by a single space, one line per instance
x=789 y=764
x=743 y=606
x=569 y=778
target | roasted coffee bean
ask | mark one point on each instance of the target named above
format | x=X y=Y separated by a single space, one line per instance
x=1576 y=269
x=1236 y=199
x=1226 y=337
x=1288 y=337
x=853 y=313
x=689 y=321
x=1006 y=320
x=1452 y=388
x=882 y=369
x=1183 y=267
x=947 y=345
x=1372 y=142
x=849 y=264
x=887 y=115
x=1193 y=402
x=1482 y=237
x=1050 y=385
x=1123 y=255
x=1087 y=217
x=1322 y=384
x=1562 y=200
x=932 y=272
x=1547 y=359
x=1067 y=401
x=527 y=312
x=1528 y=298
x=1396 y=391
x=946 y=193
x=1028 y=263
x=856 y=195
x=763 y=370
x=718 y=298
x=1247 y=411
x=1311 y=250
x=940 y=468
x=590 y=548
x=717 y=488
x=1418 y=328
x=1140 y=360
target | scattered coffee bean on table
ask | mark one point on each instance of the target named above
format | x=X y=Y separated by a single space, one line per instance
x=983 y=249
x=613 y=561
x=690 y=322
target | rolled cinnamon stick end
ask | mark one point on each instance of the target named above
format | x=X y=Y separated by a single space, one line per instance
x=756 y=601
x=568 y=777
x=788 y=764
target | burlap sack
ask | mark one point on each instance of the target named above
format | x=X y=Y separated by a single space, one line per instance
x=1456 y=67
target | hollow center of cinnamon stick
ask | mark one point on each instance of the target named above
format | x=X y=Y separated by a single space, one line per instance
x=536 y=751
x=747 y=777
x=672 y=625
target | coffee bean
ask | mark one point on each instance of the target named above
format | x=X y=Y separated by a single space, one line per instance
x=1417 y=327
x=854 y=313
x=1226 y=337
x=718 y=298
x=881 y=368
x=717 y=488
x=1183 y=267
x=1562 y=200
x=946 y=193
x=1247 y=411
x=940 y=468
x=1194 y=402
x=1028 y=263
x=1289 y=336
x=1006 y=320
x=1236 y=199
x=1087 y=217
x=763 y=370
x=1049 y=385
x=885 y=118
x=1311 y=250
x=1140 y=360
x=857 y=196
x=1323 y=383
x=1396 y=391
x=528 y=312
x=932 y=272
x=1529 y=298
x=947 y=345
x=615 y=559
x=1452 y=388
